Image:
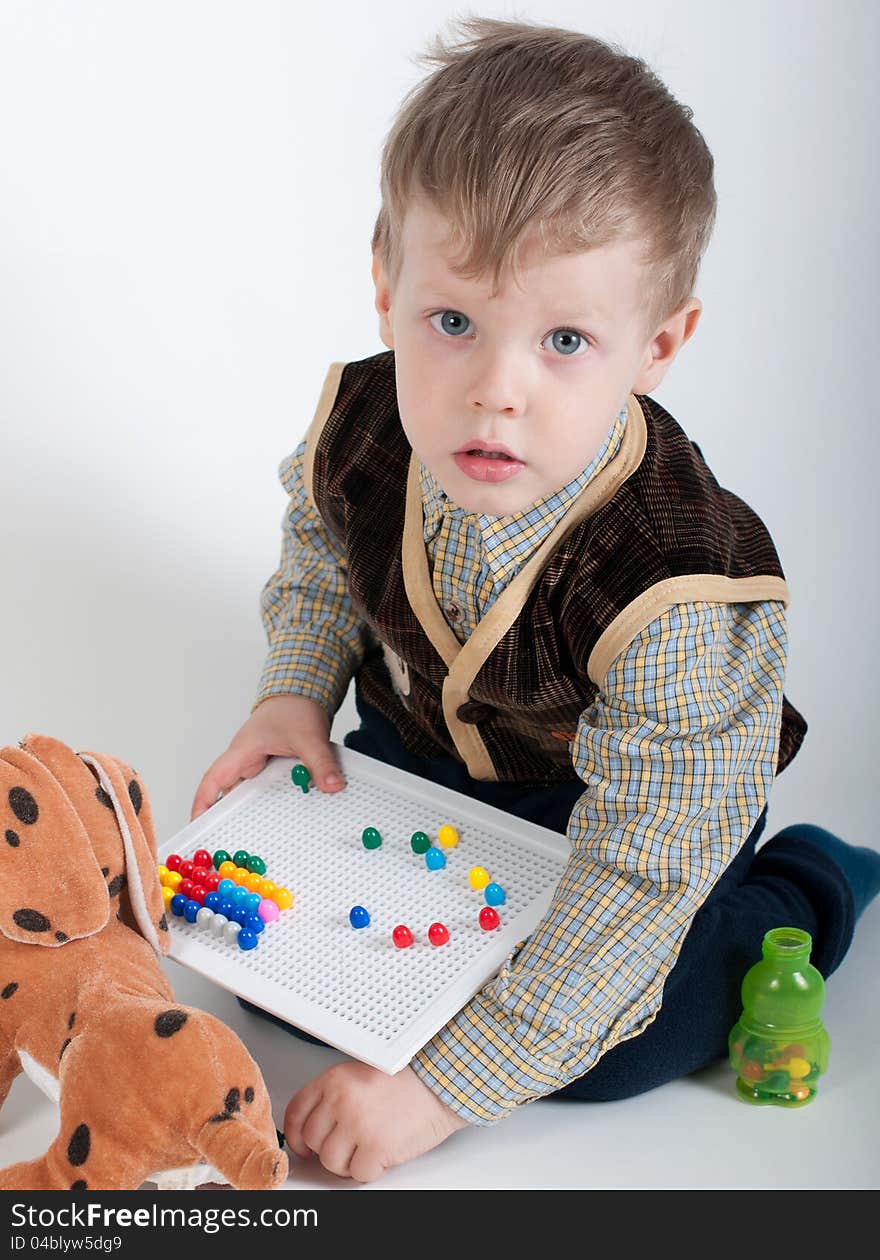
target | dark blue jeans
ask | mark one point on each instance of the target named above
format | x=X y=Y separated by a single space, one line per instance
x=789 y=882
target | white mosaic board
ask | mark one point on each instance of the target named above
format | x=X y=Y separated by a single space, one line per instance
x=353 y=988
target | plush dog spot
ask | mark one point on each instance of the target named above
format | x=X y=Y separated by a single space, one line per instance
x=105 y=871
x=80 y=1185
x=61 y=937
x=280 y=1137
x=136 y=795
x=231 y=1105
x=79 y=1145
x=70 y=1022
x=249 y=1094
x=170 y=1022
x=163 y=923
x=117 y=883
x=31 y=920
x=104 y=797
x=65 y=1043
x=12 y=839
x=8 y=991
x=23 y=805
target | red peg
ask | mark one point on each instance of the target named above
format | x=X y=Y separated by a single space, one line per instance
x=199 y=893
x=489 y=920
x=438 y=934
x=185 y=888
x=202 y=857
x=212 y=882
x=173 y=861
x=200 y=875
x=186 y=869
x=402 y=936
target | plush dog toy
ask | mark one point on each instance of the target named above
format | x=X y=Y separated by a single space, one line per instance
x=149 y=1090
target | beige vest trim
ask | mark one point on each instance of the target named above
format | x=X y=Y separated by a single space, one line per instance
x=687 y=589
x=464 y=661
x=313 y=434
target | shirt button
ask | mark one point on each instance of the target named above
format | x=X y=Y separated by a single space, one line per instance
x=453 y=612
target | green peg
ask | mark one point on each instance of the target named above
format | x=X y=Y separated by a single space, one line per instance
x=301 y=777
x=371 y=838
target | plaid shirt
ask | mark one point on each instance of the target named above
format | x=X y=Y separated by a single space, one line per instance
x=677 y=756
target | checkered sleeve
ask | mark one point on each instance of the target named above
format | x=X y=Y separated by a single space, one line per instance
x=316 y=640
x=677 y=757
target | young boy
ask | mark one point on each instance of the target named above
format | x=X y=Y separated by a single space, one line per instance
x=545 y=598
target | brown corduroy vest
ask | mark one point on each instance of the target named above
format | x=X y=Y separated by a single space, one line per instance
x=651 y=530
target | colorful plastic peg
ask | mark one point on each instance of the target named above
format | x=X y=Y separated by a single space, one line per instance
x=478 y=877
x=438 y=934
x=268 y=911
x=301 y=777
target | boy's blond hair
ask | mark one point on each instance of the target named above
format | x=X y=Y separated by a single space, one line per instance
x=525 y=128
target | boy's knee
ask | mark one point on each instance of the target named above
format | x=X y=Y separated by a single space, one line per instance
x=808 y=832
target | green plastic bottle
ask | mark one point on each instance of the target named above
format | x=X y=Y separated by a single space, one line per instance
x=779 y=1047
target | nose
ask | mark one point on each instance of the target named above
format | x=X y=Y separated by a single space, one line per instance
x=496 y=387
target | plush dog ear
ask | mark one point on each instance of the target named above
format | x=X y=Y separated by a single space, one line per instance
x=51 y=886
x=130 y=803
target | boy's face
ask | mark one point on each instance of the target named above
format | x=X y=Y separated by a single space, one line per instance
x=538 y=373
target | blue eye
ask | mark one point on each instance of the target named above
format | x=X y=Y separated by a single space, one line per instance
x=452 y=322
x=567 y=341
x=564 y=341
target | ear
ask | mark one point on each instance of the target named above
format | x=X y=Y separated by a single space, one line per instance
x=383 y=300
x=665 y=345
x=51 y=886
x=134 y=817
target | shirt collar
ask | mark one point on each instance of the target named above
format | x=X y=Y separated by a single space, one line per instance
x=505 y=541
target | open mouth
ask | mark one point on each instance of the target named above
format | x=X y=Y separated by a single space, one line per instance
x=480 y=465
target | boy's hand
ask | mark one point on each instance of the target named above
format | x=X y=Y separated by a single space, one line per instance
x=360 y=1121
x=282 y=726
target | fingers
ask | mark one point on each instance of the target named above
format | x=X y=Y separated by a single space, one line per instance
x=365 y=1165
x=312 y=1127
x=297 y=1114
x=226 y=771
x=322 y=766
x=336 y=1150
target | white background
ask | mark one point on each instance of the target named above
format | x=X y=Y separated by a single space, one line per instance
x=187 y=193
